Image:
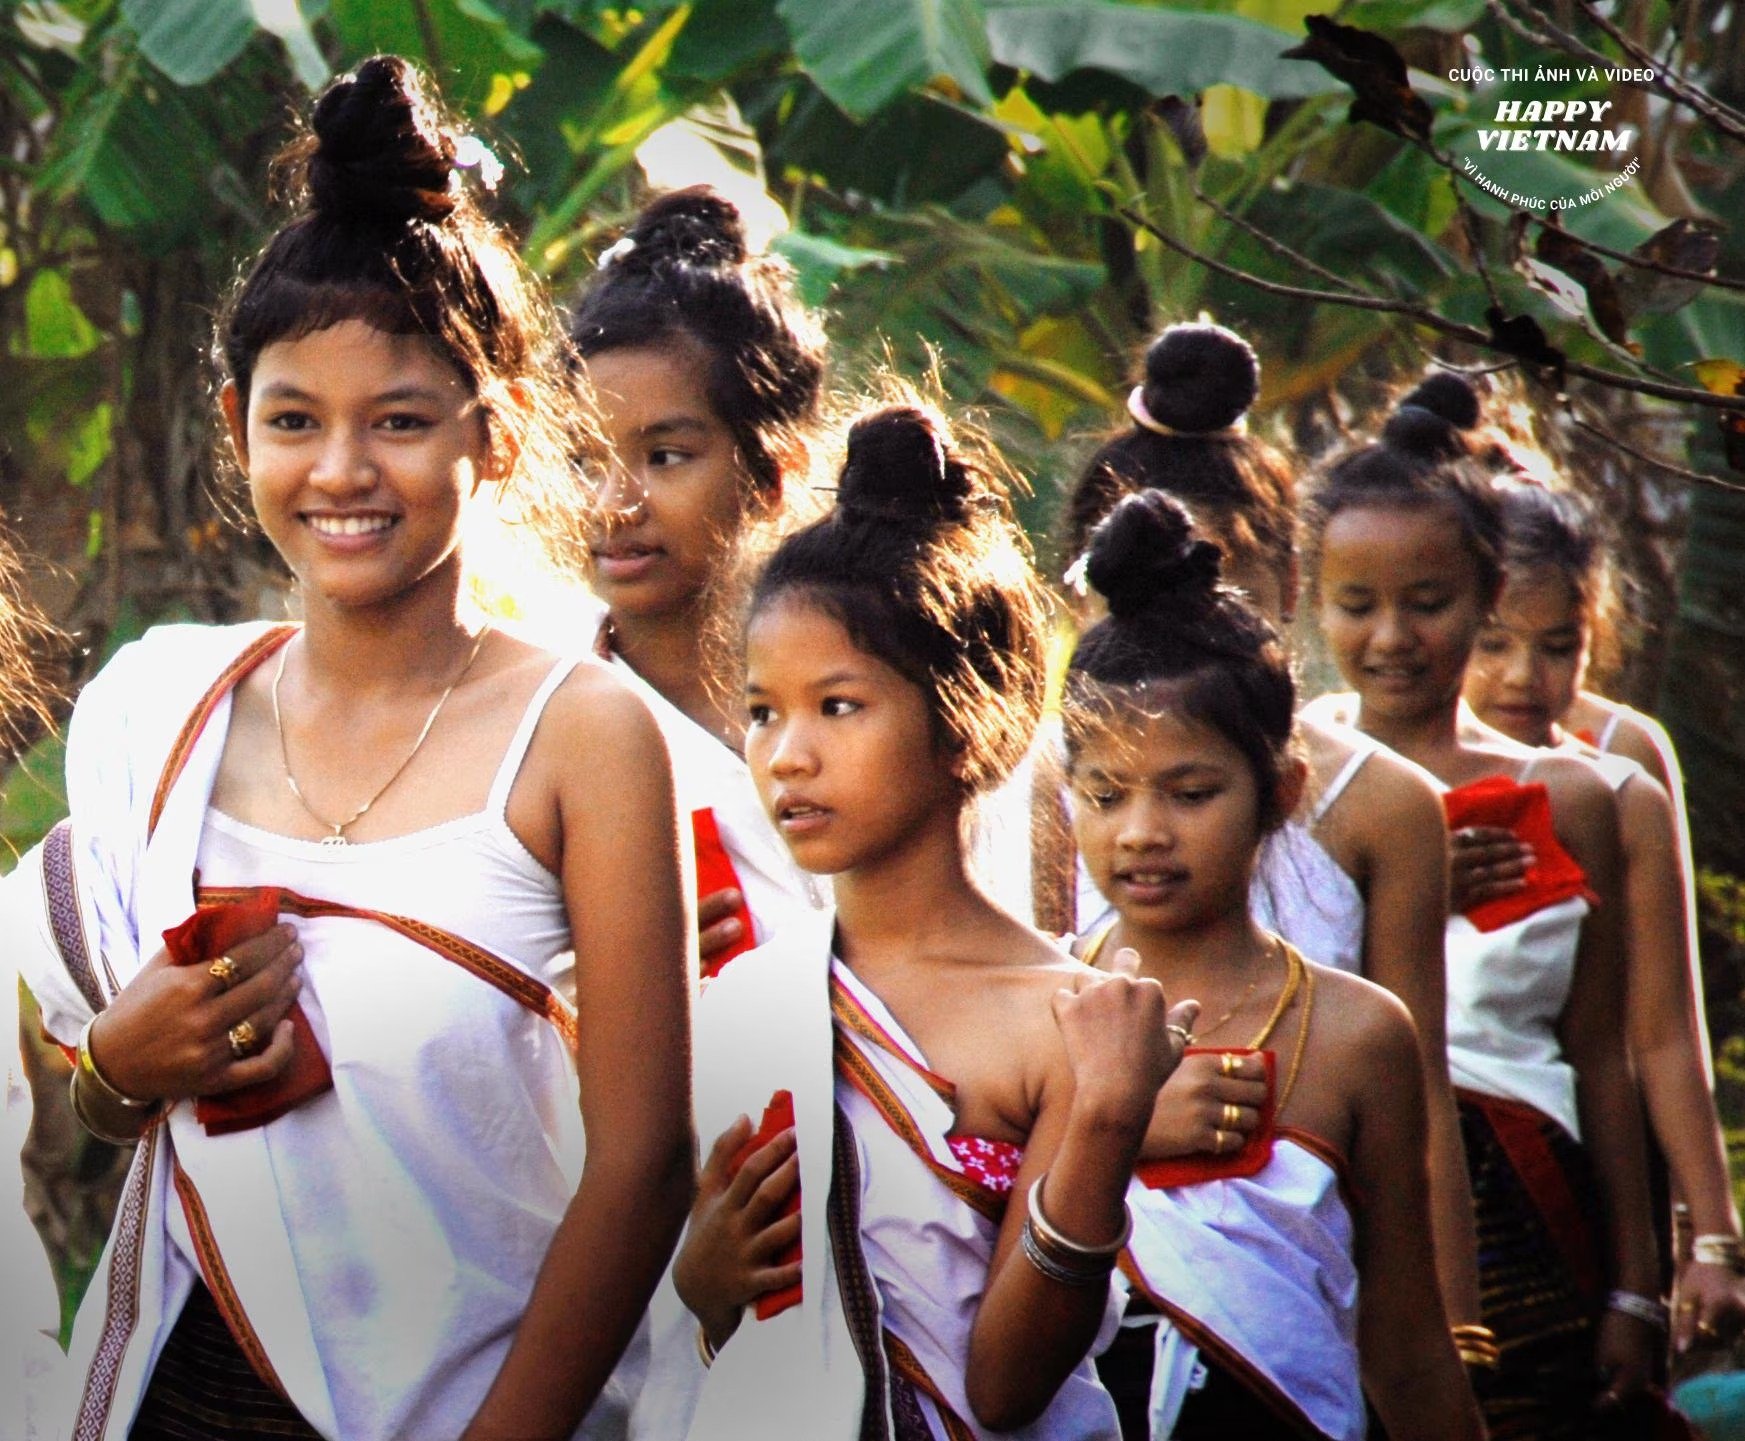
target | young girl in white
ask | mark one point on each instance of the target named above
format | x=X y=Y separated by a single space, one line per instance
x=1279 y=1278
x=1405 y=542
x=966 y=1101
x=705 y=371
x=432 y=873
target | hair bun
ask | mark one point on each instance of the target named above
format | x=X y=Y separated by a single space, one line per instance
x=899 y=467
x=1448 y=395
x=1423 y=434
x=1200 y=378
x=695 y=225
x=1144 y=555
x=381 y=151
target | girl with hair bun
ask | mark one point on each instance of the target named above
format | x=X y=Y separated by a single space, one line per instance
x=705 y=372
x=397 y=908
x=1355 y=877
x=957 y=1103
x=1405 y=551
x=1265 y=1301
x=1525 y=679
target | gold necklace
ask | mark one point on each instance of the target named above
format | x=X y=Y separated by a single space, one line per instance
x=1295 y=974
x=338 y=827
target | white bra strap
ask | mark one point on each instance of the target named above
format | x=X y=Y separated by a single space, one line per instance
x=523 y=737
x=1609 y=730
x=1347 y=773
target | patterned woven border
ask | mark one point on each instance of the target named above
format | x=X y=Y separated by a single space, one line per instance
x=60 y=893
x=121 y=1315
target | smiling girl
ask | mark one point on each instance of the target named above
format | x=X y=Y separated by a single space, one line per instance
x=1179 y=726
x=966 y=1101
x=1524 y=679
x=1404 y=539
x=365 y=1200
x=705 y=372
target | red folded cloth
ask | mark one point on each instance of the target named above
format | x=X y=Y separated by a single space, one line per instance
x=1525 y=810
x=201 y=939
x=778 y=1116
x=1204 y=1166
x=715 y=873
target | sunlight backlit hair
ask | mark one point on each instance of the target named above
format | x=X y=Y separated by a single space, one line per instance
x=1177 y=641
x=25 y=636
x=923 y=565
x=684 y=276
x=1198 y=382
x=387 y=231
x=1423 y=460
x=1545 y=529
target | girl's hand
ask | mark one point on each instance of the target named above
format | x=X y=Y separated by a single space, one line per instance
x=1624 y=1354
x=1191 y=1117
x=737 y=1230
x=1711 y=1307
x=1122 y=1039
x=167 y=1035
x=1485 y=862
x=718 y=927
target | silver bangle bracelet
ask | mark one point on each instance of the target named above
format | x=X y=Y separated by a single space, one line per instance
x=1644 y=1308
x=1057 y=1271
x=1719 y=1249
x=1065 y=1246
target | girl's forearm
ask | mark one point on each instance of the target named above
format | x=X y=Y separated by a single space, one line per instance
x=1683 y=1115
x=584 y=1309
x=1030 y=1332
x=1451 y=1213
x=1611 y=1125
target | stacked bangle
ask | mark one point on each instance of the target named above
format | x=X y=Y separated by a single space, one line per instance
x=1058 y=1256
x=1477 y=1346
x=1719 y=1250
x=86 y=1077
x=1644 y=1308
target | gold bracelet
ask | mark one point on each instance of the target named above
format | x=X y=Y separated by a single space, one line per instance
x=704 y=1349
x=1719 y=1249
x=87 y=1063
x=75 y=1095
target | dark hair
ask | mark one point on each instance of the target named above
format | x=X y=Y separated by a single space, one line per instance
x=1422 y=459
x=388 y=233
x=26 y=641
x=1175 y=635
x=682 y=274
x=1560 y=530
x=1199 y=381
x=924 y=566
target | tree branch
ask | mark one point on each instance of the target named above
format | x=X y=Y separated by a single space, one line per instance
x=1682 y=93
x=1606 y=437
x=1719 y=282
x=1277 y=247
x=1423 y=315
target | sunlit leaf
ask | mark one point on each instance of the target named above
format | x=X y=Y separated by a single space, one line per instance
x=190 y=40
x=1164 y=52
x=54 y=326
x=863 y=55
x=89 y=444
x=1720 y=377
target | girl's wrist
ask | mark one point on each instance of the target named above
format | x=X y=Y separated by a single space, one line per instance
x=1109 y=1115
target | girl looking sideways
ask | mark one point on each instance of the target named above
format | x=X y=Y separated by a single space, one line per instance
x=966 y=1101
x=705 y=372
x=1179 y=719
x=365 y=1200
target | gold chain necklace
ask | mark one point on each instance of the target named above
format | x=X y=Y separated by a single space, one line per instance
x=338 y=827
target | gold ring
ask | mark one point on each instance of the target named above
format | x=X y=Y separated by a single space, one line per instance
x=1229 y=1064
x=1687 y=1305
x=1232 y=1117
x=1217 y=1141
x=223 y=970
x=242 y=1038
x=1707 y=1331
x=1187 y=1036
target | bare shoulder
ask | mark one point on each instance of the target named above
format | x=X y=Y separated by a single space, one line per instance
x=1397 y=791
x=1336 y=708
x=594 y=701
x=1370 y=1024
